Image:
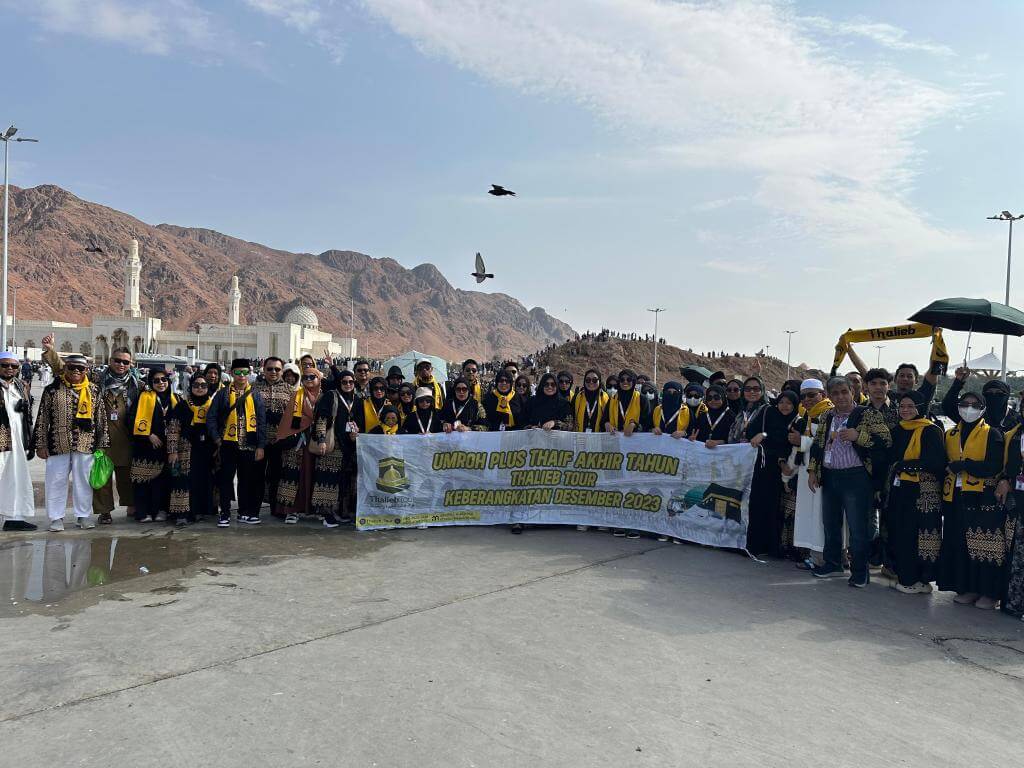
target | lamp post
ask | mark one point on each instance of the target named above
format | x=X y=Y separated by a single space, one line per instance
x=789 y=353
x=7 y=137
x=657 y=311
x=14 y=319
x=1009 y=218
x=878 y=357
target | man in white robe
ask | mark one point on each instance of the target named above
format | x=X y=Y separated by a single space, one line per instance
x=17 y=500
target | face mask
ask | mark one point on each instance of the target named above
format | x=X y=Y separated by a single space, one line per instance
x=970 y=414
x=612 y=391
x=693 y=402
x=649 y=395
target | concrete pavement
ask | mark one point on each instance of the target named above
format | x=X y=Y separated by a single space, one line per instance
x=470 y=647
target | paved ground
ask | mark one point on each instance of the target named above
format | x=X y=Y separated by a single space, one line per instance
x=470 y=647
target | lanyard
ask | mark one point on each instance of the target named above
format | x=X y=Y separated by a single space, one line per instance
x=429 y=422
x=675 y=416
x=591 y=408
x=458 y=412
x=347 y=404
x=720 y=417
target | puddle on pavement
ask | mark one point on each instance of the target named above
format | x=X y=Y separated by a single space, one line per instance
x=45 y=571
x=62 y=574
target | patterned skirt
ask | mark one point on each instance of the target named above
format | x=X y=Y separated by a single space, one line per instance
x=914 y=528
x=1013 y=601
x=976 y=537
x=323 y=473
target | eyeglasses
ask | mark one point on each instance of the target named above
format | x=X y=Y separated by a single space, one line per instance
x=119 y=361
x=75 y=368
x=273 y=370
x=240 y=372
x=310 y=377
x=751 y=389
x=12 y=366
x=161 y=380
x=462 y=389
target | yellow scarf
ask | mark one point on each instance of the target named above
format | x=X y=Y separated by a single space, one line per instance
x=890 y=333
x=231 y=426
x=632 y=410
x=300 y=396
x=476 y=392
x=913 y=450
x=83 y=412
x=505 y=405
x=370 y=414
x=144 y=414
x=438 y=394
x=682 y=420
x=388 y=430
x=580 y=403
x=816 y=410
x=199 y=411
x=1008 y=441
x=974 y=449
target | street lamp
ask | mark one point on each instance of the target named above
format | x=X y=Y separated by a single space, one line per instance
x=1009 y=218
x=656 y=311
x=878 y=358
x=7 y=137
x=789 y=351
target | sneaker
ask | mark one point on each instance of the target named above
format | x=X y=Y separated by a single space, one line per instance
x=253 y=520
x=662 y=537
x=913 y=589
x=677 y=541
x=985 y=603
x=859 y=581
x=423 y=526
x=146 y=519
x=331 y=521
x=345 y=519
x=618 y=532
x=827 y=572
x=966 y=598
x=291 y=519
x=85 y=522
x=582 y=527
x=224 y=521
x=19 y=525
x=57 y=525
x=160 y=518
x=516 y=528
x=887 y=572
x=632 y=534
x=181 y=522
x=924 y=587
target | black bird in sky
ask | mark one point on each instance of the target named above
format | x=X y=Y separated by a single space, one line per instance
x=499 y=191
x=93 y=248
x=481 y=274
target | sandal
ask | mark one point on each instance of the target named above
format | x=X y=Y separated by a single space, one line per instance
x=105 y=518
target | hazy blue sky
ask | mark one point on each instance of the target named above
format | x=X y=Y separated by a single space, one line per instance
x=751 y=167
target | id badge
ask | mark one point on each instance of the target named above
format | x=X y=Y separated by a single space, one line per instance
x=959 y=481
x=1020 y=482
x=350 y=426
x=501 y=427
x=828 y=457
x=896 y=482
x=113 y=415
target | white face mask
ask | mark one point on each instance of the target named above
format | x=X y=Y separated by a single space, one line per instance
x=649 y=395
x=612 y=391
x=693 y=402
x=970 y=414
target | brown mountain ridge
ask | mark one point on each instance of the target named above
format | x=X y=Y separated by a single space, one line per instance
x=186 y=273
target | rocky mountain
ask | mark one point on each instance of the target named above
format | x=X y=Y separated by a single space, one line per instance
x=186 y=273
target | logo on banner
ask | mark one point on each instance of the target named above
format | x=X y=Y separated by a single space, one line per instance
x=391 y=476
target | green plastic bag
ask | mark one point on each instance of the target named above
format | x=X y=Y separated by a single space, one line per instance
x=102 y=469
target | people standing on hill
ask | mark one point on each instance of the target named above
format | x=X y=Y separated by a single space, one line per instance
x=17 y=500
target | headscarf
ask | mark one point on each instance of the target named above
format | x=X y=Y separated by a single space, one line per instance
x=747 y=405
x=380 y=381
x=409 y=407
x=996 y=394
x=671 y=403
x=165 y=396
x=127 y=383
x=719 y=390
x=587 y=393
x=384 y=427
x=563 y=375
x=544 y=407
x=734 y=405
x=919 y=401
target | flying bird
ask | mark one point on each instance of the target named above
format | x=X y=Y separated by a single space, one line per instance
x=499 y=191
x=480 y=273
x=93 y=248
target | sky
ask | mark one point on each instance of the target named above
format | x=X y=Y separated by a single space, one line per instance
x=751 y=167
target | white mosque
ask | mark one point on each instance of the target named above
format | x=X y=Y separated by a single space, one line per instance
x=297 y=334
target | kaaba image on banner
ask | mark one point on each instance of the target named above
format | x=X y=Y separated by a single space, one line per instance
x=391 y=475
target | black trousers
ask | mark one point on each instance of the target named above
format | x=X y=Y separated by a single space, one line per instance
x=272 y=459
x=250 y=482
x=152 y=497
x=200 y=486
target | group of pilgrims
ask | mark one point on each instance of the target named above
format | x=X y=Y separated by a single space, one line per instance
x=924 y=504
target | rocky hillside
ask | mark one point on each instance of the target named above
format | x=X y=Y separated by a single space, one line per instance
x=186 y=273
x=613 y=354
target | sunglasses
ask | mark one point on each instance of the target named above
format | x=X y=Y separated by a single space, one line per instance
x=310 y=377
x=199 y=385
x=12 y=366
x=549 y=384
x=160 y=381
x=733 y=390
x=273 y=370
x=118 y=361
x=348 y=382
x=75 y=368
x=626 y=380
x=240 y=372
x=362 y=370
x=470 y=370
x=378 y=389
x=751 y=389
x=565 y=381
x=462 y=389
x=714 y=397
x=591 y=380
x=405 y=394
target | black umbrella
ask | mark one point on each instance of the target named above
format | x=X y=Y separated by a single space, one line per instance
x=972 y=315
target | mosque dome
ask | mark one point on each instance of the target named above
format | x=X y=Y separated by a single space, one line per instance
x=304 y=316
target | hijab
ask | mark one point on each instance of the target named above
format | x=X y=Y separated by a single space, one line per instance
x=380 y=381
x=591 y=395
x=763 y=400
x=671 y=403
x=544 y=407
x=568 y=394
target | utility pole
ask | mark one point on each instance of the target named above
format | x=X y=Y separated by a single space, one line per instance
x=657 y=311
x=7 y=137
x=789 y=353
x=878 y=358
x=1009 y=218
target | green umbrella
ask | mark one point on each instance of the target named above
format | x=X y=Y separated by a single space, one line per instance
x=695 y=374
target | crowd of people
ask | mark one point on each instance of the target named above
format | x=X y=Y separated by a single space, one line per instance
x=930 y=506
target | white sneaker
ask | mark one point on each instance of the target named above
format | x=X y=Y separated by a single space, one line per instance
x=924 y=587
x=57 y=525
x=913 y=589
x=423 y=526
x=85 y=522
x=582 y=527
x=291 y=519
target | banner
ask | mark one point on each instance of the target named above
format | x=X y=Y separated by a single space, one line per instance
x=646 y=482
x=939 y=357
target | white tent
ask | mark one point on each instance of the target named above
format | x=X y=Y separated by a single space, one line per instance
x=407 y=362
x=987 y=362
